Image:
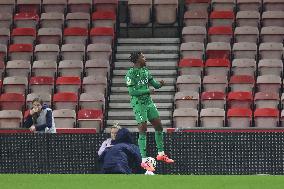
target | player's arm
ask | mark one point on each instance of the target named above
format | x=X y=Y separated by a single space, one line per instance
x=155 y=83
x=132 y=89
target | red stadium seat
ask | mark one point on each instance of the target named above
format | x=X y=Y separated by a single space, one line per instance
x=12 y=101
x=65 y=100
x=40 y=84
x=68 y=84
x=213 y=100
x=217 y=67
x=266 y=100
x=23 y=35
x=240 y=99
x=218 y=50
x=222 y=18
x=102 y=35
x=106 y=5
x=26 y=20
x=31 y=6
x=21 y=52
x=220 y=34
x=191 y=67
x=266 y=117
x=104 y=19
x=75 y=35
x=239 y=118
x=223 y=5
x=90 y=118
x=242 y=83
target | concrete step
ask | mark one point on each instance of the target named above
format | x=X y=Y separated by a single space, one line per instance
x=125 y=90
x=157 y=98
x=165 y=57
x=147 y=41
x=128 y=106
x=156 y=73
x=151 y=65
x=148 y=49
x=120 y=81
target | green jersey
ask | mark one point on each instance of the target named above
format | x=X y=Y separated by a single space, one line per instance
x=137 y=81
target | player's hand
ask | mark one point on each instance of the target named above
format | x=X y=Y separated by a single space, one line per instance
x=152 y=91
x=32 y=111
x=162 y=83
x=33 y=129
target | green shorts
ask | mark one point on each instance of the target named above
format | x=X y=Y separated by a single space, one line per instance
x=144 y=113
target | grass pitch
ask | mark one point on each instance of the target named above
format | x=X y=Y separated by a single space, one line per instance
x=54 y=181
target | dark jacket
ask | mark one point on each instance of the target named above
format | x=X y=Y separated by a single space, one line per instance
x=123 y=157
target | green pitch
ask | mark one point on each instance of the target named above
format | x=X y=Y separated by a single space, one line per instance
x=24 y=181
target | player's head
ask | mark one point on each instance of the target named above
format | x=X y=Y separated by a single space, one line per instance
x=138 y=59
x=114 y=129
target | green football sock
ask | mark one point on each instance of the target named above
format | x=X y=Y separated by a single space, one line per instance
x=142 y=144
x=159 y=138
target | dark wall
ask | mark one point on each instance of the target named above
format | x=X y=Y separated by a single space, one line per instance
x=195 y=153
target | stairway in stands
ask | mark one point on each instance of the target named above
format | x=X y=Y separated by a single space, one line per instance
x=162 y=57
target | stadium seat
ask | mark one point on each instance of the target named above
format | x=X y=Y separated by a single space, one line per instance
x=73 y=52
x=49 y=36
x=269 y=83
x=52 y=20
x=218 y=50
x=272 y=34
x=217 y=83
x=192 y=50
x=102 y=35
x=11 y=119
x=219 y=67
x=190 y=67
x=223 y=5
x=15 y=84
x=4 y=35
x=188 y=83
x=187 y=99
x=99 y=51
x=46 y=52
x=105 y=5
x=92 y=101
x=42 y=84
x=45 y=97
x=222 y=18
x=248 y=18
x=240 y=99
x=194 y=34
x=6 y=19
x=104 y=19
x=64 y=118
x=3 y=52
x=271 y=50
x=70 y=68
x=58 y=6
x=195 y=18
x=21 y=52
x=266 y=118
x=249 y=5
x=18 y=68
x=245 y=50
x=220 y=34
x=90 y=118
x=270 y=67
x=240 y=118
x=243 y=67
x=197 y=4
x=94 y=84
x=84 y=6
x=65 y=100
x=212 y=118
x=140 y=11
x=44 y=68
x=272 y=18
x=266 y=100
x=242 y=83
x=78 y=19
x=75 y=35
x=12 y=101
x=2 y=70
x=185 y=118
x=165 y=11
x=23 y=35
x=246 y=34
x=273 y=5
x=26 y=20
x=213 y=100
x=97 y=67
x=7 y=6
x=68 y=84
x=32 y=6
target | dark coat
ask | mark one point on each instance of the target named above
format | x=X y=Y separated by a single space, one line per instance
x=123 y=157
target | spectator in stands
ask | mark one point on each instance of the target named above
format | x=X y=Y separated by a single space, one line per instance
x=107 y=142
x=123 y=157
x=40 y=118
x=138 y=79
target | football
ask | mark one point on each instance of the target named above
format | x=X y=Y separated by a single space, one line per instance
x=151 y=161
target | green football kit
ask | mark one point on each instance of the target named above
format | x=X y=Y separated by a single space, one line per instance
x=137 y=81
